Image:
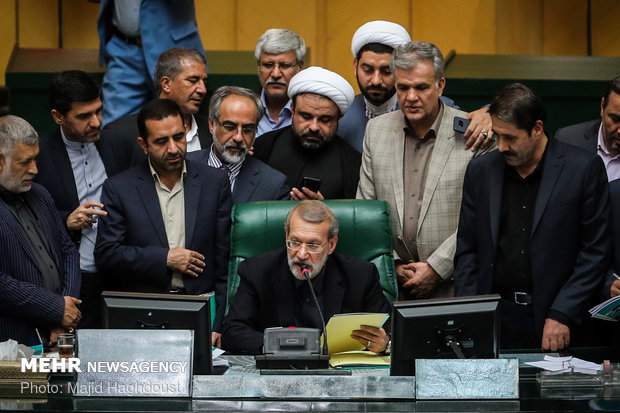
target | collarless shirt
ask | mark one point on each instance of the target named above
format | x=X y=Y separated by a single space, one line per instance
x=513 y=266
x=172 y=205
x=417 y=157
x=387 y=107
x=193 y=140
x=37 y=240
x=232 y=169
x=306 y=313
x=89 y=174
x=266 y=124
x=612 y=163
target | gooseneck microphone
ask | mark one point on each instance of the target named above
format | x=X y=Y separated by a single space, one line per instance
x=306 y=272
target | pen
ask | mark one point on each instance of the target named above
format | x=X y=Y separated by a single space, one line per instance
x=617 y=276
x=41 y=340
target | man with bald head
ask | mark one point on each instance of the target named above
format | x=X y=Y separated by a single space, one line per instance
x=310 y=147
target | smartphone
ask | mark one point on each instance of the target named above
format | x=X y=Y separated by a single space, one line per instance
x=313 y=184
x=460 y=124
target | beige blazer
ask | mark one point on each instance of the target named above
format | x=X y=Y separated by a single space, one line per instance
x=381 y=177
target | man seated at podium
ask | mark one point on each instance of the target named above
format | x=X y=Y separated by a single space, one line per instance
x=273 y=291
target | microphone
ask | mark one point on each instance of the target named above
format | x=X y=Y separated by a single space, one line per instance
x=306 y=272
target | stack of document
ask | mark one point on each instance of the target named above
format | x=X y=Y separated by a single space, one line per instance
x=567 y=364
x=609 y=310
x=347 y=352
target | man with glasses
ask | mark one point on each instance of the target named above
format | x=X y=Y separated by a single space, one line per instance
x=273 y=291
x=280 y=55
x=234 y=113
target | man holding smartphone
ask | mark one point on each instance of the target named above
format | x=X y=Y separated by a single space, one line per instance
x=413 y=159
x=309 y=151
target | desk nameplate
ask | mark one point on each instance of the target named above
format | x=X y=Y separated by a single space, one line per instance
x=467 y=379
x=304 y=387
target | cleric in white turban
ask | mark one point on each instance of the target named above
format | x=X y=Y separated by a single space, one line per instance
x=323 y=82
x=379 y=31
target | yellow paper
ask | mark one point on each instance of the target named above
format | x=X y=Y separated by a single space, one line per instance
x=359 y=359
x=340 y=327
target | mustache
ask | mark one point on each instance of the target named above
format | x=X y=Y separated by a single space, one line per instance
x=176 y=155
x=312 y=135
x=300 y=262
x=235 y=145
x=275 y=82
x=377 y=88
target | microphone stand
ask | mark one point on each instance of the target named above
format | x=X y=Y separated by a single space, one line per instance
x=306 y=272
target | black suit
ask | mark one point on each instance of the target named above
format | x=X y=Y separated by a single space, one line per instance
x=296 y=162
x=614 y=206
x=56 y=174
x=570 y=240
x=25 y=303
x=132 y=243
x=583 y=135
x=265 y=296
x=117 y=153
x=128 y=126
x=256 y=181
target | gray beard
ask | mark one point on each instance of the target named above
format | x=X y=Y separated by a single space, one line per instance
x=315 y=269
x=229 y=157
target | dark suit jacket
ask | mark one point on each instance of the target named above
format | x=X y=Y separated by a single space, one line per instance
x=131 y=241
x=265 y=296
x=56 y=175
x=25 y=304
x=128 y=126
x=614 y=206
x=583 y=135
x=570 y=240
x=350 y=160
x=256 y=180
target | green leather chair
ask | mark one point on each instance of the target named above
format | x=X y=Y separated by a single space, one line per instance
x=365 y=232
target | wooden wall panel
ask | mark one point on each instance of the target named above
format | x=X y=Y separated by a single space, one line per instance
x=79 y=28
x=605 y=28
x=217 y=23
x=467 y=27
x=552 y=27
x=564 y=28
x=7 y=34
x=344 y=18
x=519 y=27
x=253 y=18
x=38 y=23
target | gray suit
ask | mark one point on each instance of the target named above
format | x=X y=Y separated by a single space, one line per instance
x=381 y=177
x=582 y=135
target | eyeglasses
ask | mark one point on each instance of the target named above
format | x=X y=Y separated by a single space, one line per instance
x=231 y=127
x=310 y=248
x=269 y=66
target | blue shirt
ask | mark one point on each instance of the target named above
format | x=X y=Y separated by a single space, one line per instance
x=89 y=173
x=267 y=124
